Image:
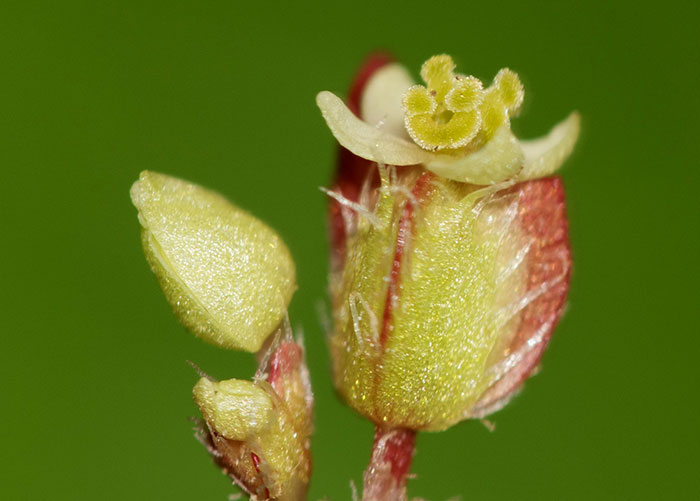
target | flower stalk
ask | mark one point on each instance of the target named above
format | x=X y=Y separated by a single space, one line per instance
x=387 y=474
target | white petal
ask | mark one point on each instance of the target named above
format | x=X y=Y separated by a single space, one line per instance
x=381 y=100
x=363 y=139
x=544 y=156
x=499 y=159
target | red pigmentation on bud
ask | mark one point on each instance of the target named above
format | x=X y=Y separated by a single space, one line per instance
x=543 y=219
x=408 y=352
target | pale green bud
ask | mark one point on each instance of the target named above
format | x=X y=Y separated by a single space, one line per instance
x=227 y=275
x=236 y=409
x=254 y=438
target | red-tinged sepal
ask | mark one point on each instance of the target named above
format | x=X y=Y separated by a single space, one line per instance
x=283 y=366
x=543 y=222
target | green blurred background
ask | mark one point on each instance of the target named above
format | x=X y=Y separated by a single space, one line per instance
x=96 y=392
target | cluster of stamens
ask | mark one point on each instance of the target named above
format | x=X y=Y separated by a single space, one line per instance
x=454 y=110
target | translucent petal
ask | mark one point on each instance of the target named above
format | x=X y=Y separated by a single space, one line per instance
x=381 y=99
x=534 y=274
x=544 y=156
x=365 y=140
x=499 y=159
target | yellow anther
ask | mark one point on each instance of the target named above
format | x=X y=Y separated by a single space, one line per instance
x=493 y=112
x=418 y=101
x=501 y=101
x=438 y=73
x=452 y=110
x=510 y=89
x=465 y=95
x=446 y=114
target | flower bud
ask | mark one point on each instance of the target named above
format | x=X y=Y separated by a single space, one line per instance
x=236 y=409
x=444 y=293
x=259 y=432
x=228 y=276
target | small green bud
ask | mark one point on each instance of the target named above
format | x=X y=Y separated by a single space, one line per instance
x=236 y=409
x=253 y=437
x=227 y=275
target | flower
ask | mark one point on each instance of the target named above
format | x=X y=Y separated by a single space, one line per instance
x=450 y=256
x=227 y=275
x=259 y=431
x=453 y=127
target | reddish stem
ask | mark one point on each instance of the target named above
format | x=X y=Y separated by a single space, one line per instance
x=392 y=452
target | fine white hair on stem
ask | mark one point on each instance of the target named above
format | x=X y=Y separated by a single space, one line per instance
x=366 y=192
x=200 y=372
x=349 y=221
x=324 y=317
x=440 y=186
x=489 y=425
x=509 y=216
x=515 y=263
x=397 y=188
x=478 y=199
x=393 y=175
x=354 y=298
x=359 y=209
x=283 y=331
x=505 y=314
x=355 y=319
x=498 y=371
x=373 y=322
x=410 y=198
x=353 y=491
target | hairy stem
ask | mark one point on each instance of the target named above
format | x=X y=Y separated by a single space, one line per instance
x=392 y=452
